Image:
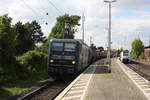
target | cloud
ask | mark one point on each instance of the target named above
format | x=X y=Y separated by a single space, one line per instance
x=126 y=20
x=130 y=25
x=129 y=17
x=29 y=11
x=133 y=4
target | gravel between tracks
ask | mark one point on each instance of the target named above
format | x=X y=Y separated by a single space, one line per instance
x=50 y=92
x=141 y=69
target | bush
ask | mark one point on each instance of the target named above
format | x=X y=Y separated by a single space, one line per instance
x=141 y=56
x=44 y=47
x=8 y=73
x=133 y=55
x=32 y=62
x=137 y=48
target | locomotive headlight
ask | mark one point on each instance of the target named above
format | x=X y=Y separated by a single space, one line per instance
x=73 y=62
x=51 y=60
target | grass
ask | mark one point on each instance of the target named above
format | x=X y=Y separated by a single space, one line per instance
x=15 y=90
x=8 y=89
x=143 y=61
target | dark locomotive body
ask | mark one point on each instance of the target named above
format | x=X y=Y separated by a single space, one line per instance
x=67 y=57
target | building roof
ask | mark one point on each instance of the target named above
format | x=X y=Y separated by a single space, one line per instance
x=146 y=47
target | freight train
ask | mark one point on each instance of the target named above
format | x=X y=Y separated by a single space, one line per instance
x=68 y=57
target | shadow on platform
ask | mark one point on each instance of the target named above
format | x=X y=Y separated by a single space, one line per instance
x=100 y=69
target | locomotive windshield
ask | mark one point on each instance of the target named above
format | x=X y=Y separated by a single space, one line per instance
x=57 y=46
x=63 y=46
x=70 y=47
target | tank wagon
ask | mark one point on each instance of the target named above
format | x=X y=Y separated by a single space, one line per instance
x=67 y=57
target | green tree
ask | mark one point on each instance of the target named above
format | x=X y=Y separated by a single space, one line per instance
x=29 y=35
x=7 y=45
x=24 y=38
x=137 y=48
x=61 y=31
x=37 y=34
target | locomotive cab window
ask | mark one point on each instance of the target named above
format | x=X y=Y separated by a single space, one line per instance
x=70 y=47
x=57 y=46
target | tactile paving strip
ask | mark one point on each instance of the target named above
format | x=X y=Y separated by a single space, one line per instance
x=77 y=89
x=141 y=83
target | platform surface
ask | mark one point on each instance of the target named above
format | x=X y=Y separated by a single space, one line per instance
x=97 y=84
x=112 y=86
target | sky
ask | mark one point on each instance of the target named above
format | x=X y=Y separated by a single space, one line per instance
x=130 y=18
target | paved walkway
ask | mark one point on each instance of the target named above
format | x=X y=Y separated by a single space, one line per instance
x=97 y=84
x=113 y=86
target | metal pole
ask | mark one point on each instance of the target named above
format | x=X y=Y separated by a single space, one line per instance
x=109 y=39
x=149 y=40
x=109 y=36
x=83 y=27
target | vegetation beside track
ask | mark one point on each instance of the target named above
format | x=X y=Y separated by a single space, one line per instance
x=20 y=86
x=137 y=51
x=23 y=52
x=33 y=70
x=142 y=61
x=22 y=63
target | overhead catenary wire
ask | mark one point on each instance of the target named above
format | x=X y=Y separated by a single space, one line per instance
x=32 y=10
x=29 y=7
x=55 y=7
x=37 y=14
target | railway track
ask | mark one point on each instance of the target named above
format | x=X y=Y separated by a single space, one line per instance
x=141 y=69
x=46 y=92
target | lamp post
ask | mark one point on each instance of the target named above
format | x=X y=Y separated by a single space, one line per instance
x=109 y=35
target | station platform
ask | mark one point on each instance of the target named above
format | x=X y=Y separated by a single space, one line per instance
x=95 y=83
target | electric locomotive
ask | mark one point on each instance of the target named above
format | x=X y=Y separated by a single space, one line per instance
x=67 y=57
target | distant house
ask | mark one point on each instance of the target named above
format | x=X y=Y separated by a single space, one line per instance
x=113 y=53
x=147 y=53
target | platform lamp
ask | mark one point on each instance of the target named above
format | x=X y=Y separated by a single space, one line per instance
x=109 y=35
